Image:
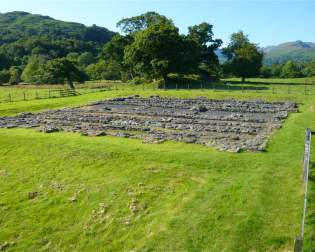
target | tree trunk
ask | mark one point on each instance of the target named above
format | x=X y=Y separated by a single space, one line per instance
x=131 y=74
x=70 y=83
x=243 y=79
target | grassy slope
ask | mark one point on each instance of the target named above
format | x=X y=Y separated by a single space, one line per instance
x=188 y=197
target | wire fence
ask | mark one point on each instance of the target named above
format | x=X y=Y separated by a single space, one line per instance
x=32 y=93
x=299 y=89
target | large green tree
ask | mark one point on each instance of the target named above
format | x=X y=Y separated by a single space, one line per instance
x=61 y=70
x=203 y=35
x=155 y=52
x=244 y=57
x=113 y=54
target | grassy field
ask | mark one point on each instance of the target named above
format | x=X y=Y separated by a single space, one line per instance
x=115 y=194
x=295 y=86
x=295 y=81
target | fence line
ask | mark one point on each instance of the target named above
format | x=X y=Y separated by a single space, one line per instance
x=55 y=93
x=290 y=89
x=36 y=94
x=298 y=243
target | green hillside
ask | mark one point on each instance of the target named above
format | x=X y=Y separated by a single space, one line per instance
x=23 y=34
x=296 y=51
x=20 y=25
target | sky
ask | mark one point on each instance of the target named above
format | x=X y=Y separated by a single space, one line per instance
x=266 y=22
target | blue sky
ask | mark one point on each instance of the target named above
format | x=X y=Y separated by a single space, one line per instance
x=266 y=22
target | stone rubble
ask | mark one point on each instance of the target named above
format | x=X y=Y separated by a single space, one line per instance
x=228 y=125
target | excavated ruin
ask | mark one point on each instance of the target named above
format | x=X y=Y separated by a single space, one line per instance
x=229 y=125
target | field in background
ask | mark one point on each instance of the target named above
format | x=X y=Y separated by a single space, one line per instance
x=300 y=86
x=186 y=197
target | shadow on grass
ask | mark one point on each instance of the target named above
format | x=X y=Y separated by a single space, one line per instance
x=212 y=86
x=269 y=83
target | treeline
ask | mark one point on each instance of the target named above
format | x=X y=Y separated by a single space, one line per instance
x=289 y=69
x=37 y=49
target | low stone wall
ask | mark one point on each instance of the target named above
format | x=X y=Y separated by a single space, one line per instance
x=225 y=124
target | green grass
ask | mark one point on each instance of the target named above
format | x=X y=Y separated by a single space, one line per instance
x=187 y=197
x=294 y=81
x=296 y=86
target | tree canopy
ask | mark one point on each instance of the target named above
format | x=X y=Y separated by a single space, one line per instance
x=244 y=57
x=141 y=22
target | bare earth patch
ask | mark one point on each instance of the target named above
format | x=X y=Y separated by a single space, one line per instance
x=225 y=124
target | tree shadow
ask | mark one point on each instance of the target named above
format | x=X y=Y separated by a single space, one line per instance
x=269 y=83
x=211 y=86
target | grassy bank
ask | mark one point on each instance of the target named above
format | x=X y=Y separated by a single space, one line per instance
x=118 y=194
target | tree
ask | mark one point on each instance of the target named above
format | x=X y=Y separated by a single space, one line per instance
x=73 y=57
x=33 y=70
x=60 y=70
x=113 y=53
x=15 y=75
x=244 y=57
x=5 y=61
x=276 y=70
x=86 y=59
x=141 y=22
x=202 y=34
x=265 y=71
x=103 y=71
x=290 y=70
x=4 y=76
x=155 y=52
x=309 y=70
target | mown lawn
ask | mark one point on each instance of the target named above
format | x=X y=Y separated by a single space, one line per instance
x=115 y=194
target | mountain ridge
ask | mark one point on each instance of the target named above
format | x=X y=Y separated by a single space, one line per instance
x=298 y=51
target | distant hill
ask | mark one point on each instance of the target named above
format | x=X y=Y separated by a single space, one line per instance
x=296 y=51
x=21 y=25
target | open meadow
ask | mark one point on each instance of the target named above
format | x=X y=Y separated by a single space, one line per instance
x=63 y=191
